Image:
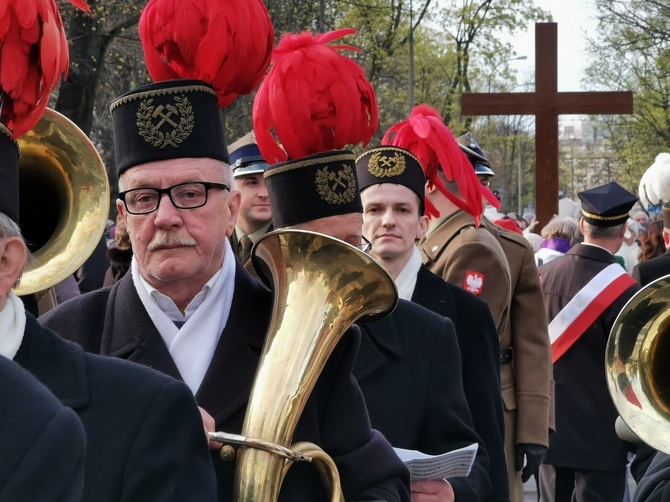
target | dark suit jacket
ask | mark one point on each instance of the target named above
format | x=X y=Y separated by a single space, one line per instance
x=409 y=370
x=585 y=414
x=114 y=322
x=41 y=441
x=653 y=486
x=145 y=439
x=480 y=362
x=650 y=270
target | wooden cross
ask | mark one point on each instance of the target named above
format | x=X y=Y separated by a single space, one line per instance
x=546 y=103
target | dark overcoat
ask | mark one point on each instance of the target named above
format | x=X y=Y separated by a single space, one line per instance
x=480 y=363
x=114 y=322
x=585 y=414
x=42 y=443
x=144 y=433
x=409 y=370
x=650 y=270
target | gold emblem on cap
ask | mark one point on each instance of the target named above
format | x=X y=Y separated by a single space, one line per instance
x=165 y=125
x=385 y=166
x=336 y=187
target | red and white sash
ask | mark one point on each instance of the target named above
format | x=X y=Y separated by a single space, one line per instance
x=585 y=307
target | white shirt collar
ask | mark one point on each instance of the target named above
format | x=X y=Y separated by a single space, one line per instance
x=406 y=280
x=12 y=326
x=192 y=347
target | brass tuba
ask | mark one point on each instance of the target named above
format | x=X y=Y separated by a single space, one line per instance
x=64 y=200
x=637 y=363
x=321 y=287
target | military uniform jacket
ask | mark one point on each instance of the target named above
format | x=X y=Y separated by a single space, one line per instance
x=42 y=443
x=114 y=322
x=248 y=265
x=526 y=381
x=585 y=415
x=480 y=364
x=144 y=436
x=471 y=258
x=409 y=369
x=650 y=270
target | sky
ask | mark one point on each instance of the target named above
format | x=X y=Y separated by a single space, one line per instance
x=574 y=18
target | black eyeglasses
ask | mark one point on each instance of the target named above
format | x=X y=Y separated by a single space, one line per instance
x=183 y=196
x=364 y=246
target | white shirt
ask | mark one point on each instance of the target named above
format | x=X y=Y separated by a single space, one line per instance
x=192 y=347
x=12 y=326
x=406 y=280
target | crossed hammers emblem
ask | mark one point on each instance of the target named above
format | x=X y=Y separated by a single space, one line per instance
x=165 y=117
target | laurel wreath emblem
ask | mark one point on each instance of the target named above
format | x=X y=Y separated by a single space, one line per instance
x=336 y=187
x=382 y=166
x=151 y=131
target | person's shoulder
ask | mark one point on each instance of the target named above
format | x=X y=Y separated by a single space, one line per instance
x=78 y=305
x=424 y=322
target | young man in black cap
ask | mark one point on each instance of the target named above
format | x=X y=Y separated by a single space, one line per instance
x=392 y=185
x=408 y=365
x=650 y=270
x=254 y=217
x=584 y=291
x=525 y=371
x=123 y=406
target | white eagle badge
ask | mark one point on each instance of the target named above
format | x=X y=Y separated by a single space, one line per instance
x=474 y=282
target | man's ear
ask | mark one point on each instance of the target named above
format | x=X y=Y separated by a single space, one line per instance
x=13 y=256
x=234 y=201
x=666 y=237
x=424 y=223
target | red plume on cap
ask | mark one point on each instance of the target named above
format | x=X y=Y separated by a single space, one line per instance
x=425 y=135
x=314 y=98
x=33 y=56
x=226 y=43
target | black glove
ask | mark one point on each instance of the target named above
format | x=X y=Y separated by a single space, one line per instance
x=534 y=454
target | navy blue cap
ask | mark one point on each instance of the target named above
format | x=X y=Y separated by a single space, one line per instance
x=475 y=154
x=245 y=157
x=9 y=175
x=607 y=205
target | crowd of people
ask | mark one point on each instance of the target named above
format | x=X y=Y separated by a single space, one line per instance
x=497 y=339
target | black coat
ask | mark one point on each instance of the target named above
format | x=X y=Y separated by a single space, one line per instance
x=41 y=442
x=585 y=414
x=409 y=370
x=650 y=270
x=144 y=435
x=114 y=322
x=480 y=362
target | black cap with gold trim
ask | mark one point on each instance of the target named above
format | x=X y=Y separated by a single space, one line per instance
x=167 y=120
x=9 y=174
x=317 y=186
x=607 y=205
x=390 y=164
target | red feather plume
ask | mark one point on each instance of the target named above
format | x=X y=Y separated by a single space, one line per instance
x=33 y=57
x=314 y=98
x=226 y=43
x=426 y=136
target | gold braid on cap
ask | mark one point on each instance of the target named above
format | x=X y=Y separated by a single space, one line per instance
x=604 y=218
x=320 y=161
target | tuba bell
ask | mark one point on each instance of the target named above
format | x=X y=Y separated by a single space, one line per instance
x=637 y=358
x=64 y=200
x=321 y=287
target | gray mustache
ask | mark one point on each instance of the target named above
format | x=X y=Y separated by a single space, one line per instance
x=169 y=239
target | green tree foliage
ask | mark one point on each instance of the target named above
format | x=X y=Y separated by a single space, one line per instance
x=632 y=52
